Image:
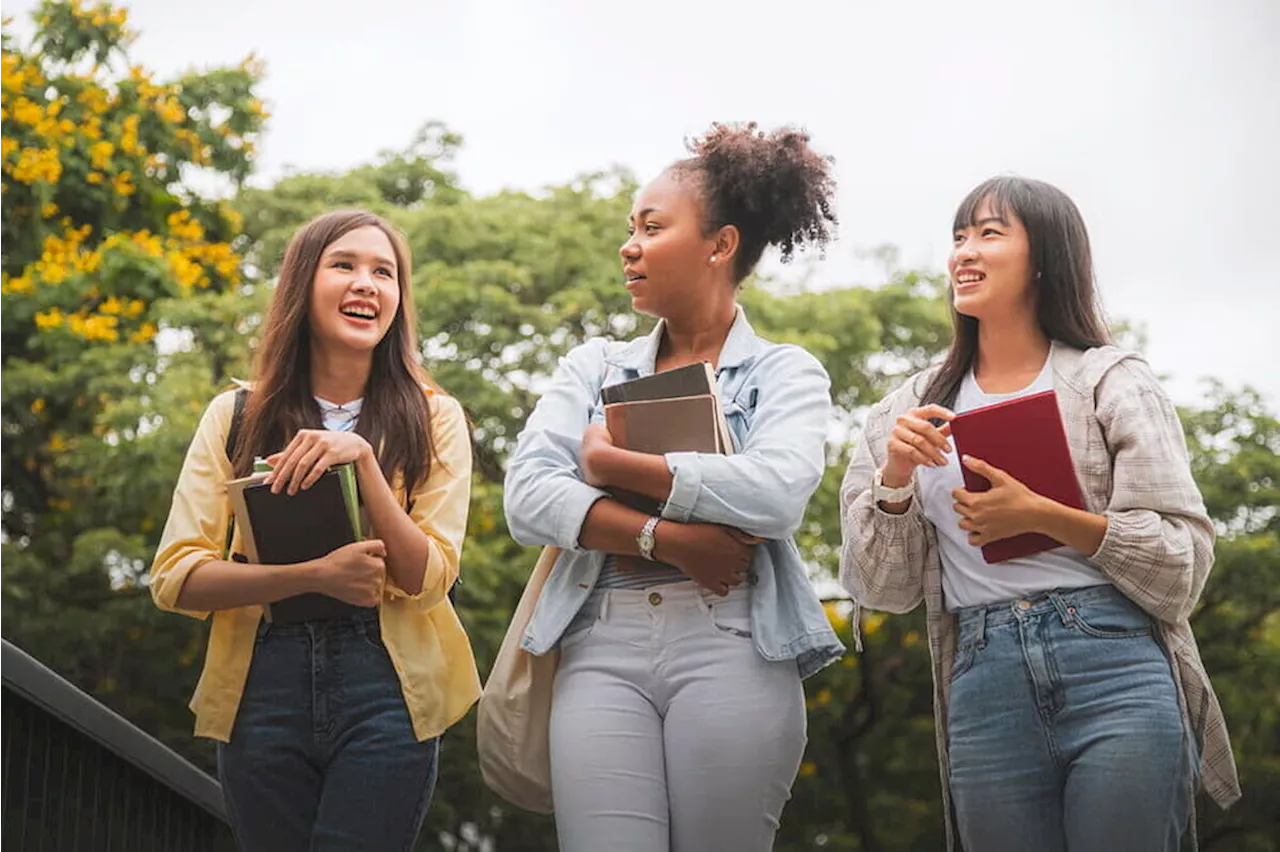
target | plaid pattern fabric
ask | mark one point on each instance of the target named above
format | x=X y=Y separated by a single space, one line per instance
x=1131 y=459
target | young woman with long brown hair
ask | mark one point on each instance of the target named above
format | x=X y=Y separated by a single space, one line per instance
x=1073 y=712
x=329 y=729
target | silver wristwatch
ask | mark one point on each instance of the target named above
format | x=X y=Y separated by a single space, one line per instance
x=882 y=493
x=645 y=540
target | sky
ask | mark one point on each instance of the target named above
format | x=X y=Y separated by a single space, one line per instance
x=1161 y=118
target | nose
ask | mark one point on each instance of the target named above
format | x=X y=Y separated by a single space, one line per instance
x=363 y=285
x=630 y=249
x=963 y=252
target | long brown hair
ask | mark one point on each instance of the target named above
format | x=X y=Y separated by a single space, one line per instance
x=394 y=417
x=1067 y=306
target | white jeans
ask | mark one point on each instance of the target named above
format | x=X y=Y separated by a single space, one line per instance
x=668 y=730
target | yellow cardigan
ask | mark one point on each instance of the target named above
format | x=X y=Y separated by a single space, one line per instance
x=422 y=632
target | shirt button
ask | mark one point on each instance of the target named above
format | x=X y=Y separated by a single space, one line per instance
x=655 y=598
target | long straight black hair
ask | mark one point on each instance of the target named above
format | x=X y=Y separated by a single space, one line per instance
x=1067 y=306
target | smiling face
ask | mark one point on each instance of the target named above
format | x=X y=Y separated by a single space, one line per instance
x=356 y=291
x=665 y=262
x=990 y=265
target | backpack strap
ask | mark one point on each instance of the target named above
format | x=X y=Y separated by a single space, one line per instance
x=233 y=438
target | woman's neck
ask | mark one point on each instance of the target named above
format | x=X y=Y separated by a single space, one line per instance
x=1009 y=353
x=697 y=337
x=339 y=377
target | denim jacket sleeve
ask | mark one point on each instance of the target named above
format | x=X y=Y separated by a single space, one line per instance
x=764 y=488
x=545 y=499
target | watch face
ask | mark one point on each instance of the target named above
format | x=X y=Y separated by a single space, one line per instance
x=645 y=540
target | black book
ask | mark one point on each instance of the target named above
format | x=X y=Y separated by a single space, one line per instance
x=691 y=380
x=307 y=525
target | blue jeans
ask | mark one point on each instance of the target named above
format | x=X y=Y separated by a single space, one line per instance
x=1065 y=729
x=323 y=755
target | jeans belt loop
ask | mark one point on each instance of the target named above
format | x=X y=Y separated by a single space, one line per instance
x=1065 y=612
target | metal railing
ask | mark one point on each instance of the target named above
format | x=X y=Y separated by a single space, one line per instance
x=78 y=776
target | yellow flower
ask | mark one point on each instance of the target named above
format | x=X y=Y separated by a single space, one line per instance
x=100 y=154
x=144 y=334
x=93 y=328
x=834 y=614
x=49 y=211
x=92 y=128
x=111 y=305
x=7 y=146
x=37 y=406
x=183 y=227
x=872 y=622
x=122 y=184
x=94 y=177
x=911 y=639
x=24 y=111
x=129 y=136
x=50 y=319
x=808 y=769
x=38 y=164
x=171 y=110
x=21 y=284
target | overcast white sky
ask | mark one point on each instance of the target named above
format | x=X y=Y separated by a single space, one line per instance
x=1160 y=117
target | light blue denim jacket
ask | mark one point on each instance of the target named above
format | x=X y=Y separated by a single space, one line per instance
x=777 y=402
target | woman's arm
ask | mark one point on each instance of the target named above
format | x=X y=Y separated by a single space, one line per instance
x=544 y=497
x=1158 y=546
x=882 y=556
x=763 y=489
x=424 y=545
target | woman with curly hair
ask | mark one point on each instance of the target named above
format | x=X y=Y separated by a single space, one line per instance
x=678 y=717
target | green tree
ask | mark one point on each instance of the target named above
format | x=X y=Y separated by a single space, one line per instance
x=105 y=242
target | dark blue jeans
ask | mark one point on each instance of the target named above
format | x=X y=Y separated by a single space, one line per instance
x=323 y=756
x=1065 y=728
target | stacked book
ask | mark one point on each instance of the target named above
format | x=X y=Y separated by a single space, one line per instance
x=284 y=529
x=673 y=411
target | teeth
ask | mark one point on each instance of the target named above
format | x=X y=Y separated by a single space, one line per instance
x=362 y=313
x=968 y=279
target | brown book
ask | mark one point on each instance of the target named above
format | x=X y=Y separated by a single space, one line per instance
x=659 y=426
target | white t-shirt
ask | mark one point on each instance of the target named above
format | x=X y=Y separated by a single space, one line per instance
x=967 y=580
x=340 y=418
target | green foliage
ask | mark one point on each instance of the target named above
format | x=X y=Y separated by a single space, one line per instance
x=96 y=419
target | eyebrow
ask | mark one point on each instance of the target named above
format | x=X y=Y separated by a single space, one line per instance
x=348 y=253
x=645 y=212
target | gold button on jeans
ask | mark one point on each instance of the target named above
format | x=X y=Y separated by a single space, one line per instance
x=655 y=598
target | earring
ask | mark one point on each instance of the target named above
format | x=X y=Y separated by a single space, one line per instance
x=714 y=257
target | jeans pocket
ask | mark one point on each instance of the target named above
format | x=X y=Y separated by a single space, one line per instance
x=964 y=658
x=371 y=634
x=1110 y=620
x=577 y=632
x=730 y=624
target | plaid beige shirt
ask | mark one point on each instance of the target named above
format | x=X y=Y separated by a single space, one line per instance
x=1131 y=459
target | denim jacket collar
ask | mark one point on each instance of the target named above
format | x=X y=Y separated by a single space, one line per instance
x=740 y=347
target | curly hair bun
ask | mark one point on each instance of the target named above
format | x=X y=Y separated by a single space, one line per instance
x=771 y=185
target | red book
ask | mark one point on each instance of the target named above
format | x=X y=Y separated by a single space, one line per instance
x=1023 y=437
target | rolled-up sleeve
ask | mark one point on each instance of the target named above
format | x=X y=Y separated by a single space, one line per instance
x=545 y=499
x=882 y=556
x=764 y=488
x=196 y=529
x=1158 y=547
